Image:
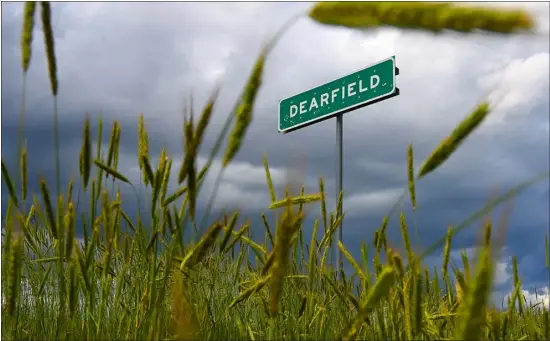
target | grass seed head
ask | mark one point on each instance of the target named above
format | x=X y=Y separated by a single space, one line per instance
x=52 y=223
x=114 y=173
x=245 y=109
x=298 y=200
x=427 y=16
x=50 y=45
x=86 y=153
x=269 y=180
x=449 y=145
x=143 y=148
x=26 y=34
x=15 y=262
x=447 y=252
x=9 y=184
x=113 y=146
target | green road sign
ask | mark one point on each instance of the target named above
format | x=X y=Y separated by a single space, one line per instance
x=373 y=83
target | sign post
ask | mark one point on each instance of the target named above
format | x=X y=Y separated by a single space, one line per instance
x=367 y=86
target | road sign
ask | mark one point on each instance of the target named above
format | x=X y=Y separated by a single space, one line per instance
x=370 y=84
x=367 y=86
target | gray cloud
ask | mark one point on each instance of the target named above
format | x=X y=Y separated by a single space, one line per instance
x=121 y=59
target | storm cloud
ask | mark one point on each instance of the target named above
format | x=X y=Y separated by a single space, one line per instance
x=121 y=59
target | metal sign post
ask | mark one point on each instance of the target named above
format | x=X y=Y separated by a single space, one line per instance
x=367 y=86
x=339 y=182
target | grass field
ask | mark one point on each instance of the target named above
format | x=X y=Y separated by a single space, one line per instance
x=140 y=277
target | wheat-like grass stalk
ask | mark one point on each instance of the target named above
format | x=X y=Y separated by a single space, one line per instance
x=298 y=200
x=193 y=137
x=243 y=114
x=186 y=326
x=165 y=180
x=104 y=290
x=270 y=186
x=453 y=141
x=476 y=300
x=70 y=225
x=466 y=265
x=49 y=209
x=26 y=52
x=284 y=233
x=238 y=236
x=205 y=118
x=406 y=239
x=427 y=16
x=228 y=231
x=492 y=204
x=312 y=259
x=49 y=43
x=352 y=261
x=86 y=153
x=113 y=146
x=149 y=175
x=410 y=175
x=251 y=290
x=26 y=34
x=143 y=147
x=323 y=205
x=14 y=275
x=447 y=251
x=9 y=184
x=380 y=290
x=267 y=229
x=397 y=262
x=244 y=111
x=114 y=173
x=172 y=197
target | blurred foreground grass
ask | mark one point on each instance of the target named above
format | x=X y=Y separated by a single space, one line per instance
x=140 y=278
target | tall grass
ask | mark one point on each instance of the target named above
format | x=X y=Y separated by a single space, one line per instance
x=129 y=278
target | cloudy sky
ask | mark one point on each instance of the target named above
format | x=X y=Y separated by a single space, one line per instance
x=120 y=59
